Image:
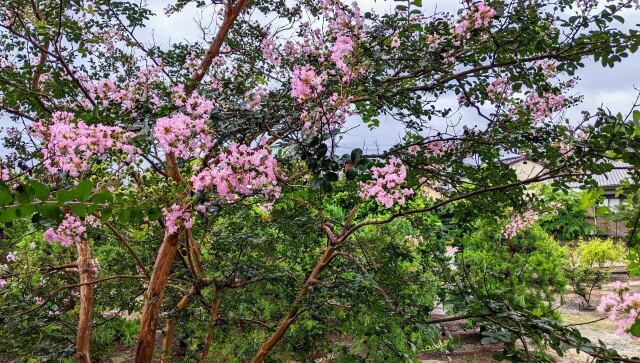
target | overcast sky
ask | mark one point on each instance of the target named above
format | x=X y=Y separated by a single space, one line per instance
x=612 y=88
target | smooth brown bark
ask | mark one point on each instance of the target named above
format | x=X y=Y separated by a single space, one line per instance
x=231 y=14
x=153 y=298
x=213 y=321
x=291 y=316
x=170 y=326
x=87 y=272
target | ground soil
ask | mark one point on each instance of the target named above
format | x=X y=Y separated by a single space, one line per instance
x=572 y=311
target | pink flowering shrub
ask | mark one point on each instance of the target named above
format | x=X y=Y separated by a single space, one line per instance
x=478 y=17
x=498 y=89
x=182 y=135
x=386 y=184
x=68 y=232
x=70 y=145
x=622 y=307
x=241 y=170
x=175 y=217
x=253 y=98
x=544 y=106
x=520 y=222
x=306 y=84
x=5 y=173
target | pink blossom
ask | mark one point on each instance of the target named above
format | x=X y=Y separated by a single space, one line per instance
x=70 y=146
x=175 y=217
x=270 y=51
x=342 y=47
x=498 y=89
x=478 y=17
x=544 y=106
x=69 y=231
x=5 y=173
x=395 y=42
x=413 y=149
x=306 y=84
x=241 y=170
x=623 y=307
x=11 y=257
x=3 y=282
x=183 y=136
x=386 y=184
x=520 y=222
x=254 y=97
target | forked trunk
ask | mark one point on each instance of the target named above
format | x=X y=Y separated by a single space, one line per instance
x=153 y=298
x=170 y=326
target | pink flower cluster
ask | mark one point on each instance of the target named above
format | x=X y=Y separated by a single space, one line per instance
x=386 y=184
x=545 y=106
x=270 y=51
x=140 y=90
x=498 y=89
x=70 y=146
x=478 y=17
x=254 y=97
x=519 y=222
x=186 y=135
x=176 y=217
x=240 y=170
x=69 y=231
x=182 y=135
x=340 y=49
x=11 y=257
x=333 y=114
x=431 y=147
x=306 y=84
x=623 y=307
x=5 y=173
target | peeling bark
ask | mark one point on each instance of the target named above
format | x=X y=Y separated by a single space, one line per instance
x=87 y=271
x=213 y=321
x=153 y=298
x=170 y=326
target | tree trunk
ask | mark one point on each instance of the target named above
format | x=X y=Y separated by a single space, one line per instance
x=153 y=298
x=213 y=321
x=87 y=271
x=170 y=326
x=284 y=325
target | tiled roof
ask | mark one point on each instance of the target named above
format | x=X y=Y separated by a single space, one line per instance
x=613 y=178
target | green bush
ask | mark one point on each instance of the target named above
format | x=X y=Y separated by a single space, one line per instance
x=565 y=221
x=524 y=272
x=588 y=265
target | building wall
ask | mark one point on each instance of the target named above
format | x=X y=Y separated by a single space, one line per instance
x=526 y=169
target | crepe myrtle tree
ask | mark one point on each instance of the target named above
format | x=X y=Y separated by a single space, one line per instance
x=104 y=130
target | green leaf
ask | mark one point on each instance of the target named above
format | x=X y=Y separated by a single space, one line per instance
x=103 y=196
x=64 y=196
x=49 y=211
x=635 y=328
x=356 y=154
x=79 y=210
x=5 y=197
x=84 y=189
x=41 y=191
x=8 y=215
x=636 y=116
x=331 y=176
x=351 y=174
